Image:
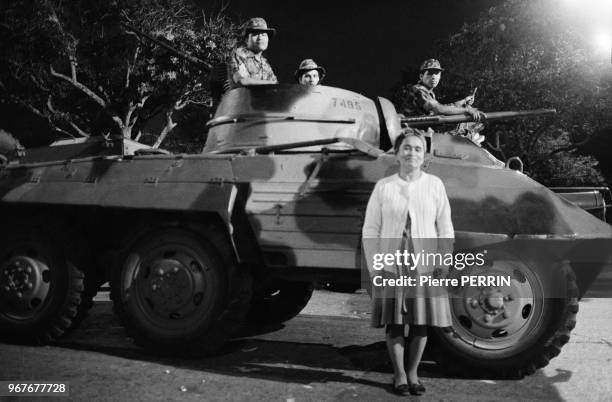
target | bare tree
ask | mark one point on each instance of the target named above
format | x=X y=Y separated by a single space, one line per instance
x=77 y=67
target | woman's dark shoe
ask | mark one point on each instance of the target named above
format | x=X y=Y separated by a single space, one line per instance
x=402 y=389
x=416 y=389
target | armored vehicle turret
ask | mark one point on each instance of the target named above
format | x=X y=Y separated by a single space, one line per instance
x=194 y=245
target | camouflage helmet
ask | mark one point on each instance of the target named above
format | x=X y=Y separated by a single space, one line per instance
x=307 y=65
x=431 y=64
x=257 y=24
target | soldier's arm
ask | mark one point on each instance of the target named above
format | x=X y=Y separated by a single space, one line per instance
x=273 y=77
x=451 y=109
x=246 y=80
x=460 y=103
x=240 y=75
x=467 y=101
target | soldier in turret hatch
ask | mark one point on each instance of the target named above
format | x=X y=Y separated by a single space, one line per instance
x=309 y=73
x=247 y=65
x=422 y=99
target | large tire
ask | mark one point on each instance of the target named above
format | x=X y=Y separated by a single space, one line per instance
x=523 y=342
x=279 y=301
x=40 y=291
x=92 y=283
x=179 y=291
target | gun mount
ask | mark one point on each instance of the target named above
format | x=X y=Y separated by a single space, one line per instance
x=435 y=120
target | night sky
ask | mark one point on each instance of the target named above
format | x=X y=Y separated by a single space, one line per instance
x=364 y=45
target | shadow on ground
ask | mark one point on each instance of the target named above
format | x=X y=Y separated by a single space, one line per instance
x=259 y=353
x=307 y=350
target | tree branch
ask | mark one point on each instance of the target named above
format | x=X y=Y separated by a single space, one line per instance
x=38 y=83
x=33 y=109
x=79 y=86
x=180 y=104
x=128 y=122
x=141 y=104
x=167 y=128
x=50 y=105
x=59 y=130
x=104 y=93
x=497 y=147
x=43 y=115
x=130 y=67
x=91 y=94
x=73 y=71
x=119 y=122
x=127 y=75
x=78 y=129
x=64 y=116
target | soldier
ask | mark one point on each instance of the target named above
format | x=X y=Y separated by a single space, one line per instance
x=309 y=73
x=422 y=100
x=247 y=65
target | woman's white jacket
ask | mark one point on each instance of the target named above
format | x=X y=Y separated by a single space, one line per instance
x=392 y=200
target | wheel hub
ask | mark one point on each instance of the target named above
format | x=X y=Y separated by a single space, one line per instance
x=491 y=317
x=171 y=286
x=491 y=307
x=495 y=300
x=24 y=283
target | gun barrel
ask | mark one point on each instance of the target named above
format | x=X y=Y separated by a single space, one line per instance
x=426 y=121
x=192 y=59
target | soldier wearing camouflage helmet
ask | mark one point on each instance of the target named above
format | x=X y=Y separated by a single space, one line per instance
x=247 y=65
x=422 y=100
x=309 y=73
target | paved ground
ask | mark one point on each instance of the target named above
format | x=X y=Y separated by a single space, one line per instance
x=326 y=353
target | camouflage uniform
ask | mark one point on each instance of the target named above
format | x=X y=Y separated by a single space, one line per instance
x=418 y=96
x=244 y=61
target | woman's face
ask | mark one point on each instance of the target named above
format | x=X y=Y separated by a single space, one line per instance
x=411 y=153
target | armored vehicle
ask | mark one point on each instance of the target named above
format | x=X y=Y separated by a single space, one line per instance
x=194 y=245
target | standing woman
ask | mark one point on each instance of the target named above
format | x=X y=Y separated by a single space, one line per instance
x=408 y=211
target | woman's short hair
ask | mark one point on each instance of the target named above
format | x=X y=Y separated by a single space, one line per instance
x=408 y=133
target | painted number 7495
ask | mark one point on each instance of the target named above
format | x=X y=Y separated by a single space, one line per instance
x=345 y=103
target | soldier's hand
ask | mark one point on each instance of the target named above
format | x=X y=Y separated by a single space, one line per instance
x=469 y=100
x=476 y=114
